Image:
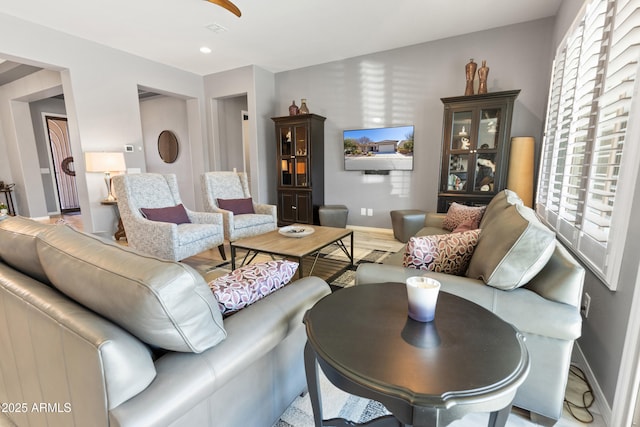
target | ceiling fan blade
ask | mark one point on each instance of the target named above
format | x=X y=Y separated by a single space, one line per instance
x=227 y=5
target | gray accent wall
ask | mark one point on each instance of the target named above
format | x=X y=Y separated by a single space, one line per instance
x=404 y=86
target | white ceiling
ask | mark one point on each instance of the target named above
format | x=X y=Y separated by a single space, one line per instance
x=276 y=35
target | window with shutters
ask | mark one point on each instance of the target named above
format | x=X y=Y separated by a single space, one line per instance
x=587 y=172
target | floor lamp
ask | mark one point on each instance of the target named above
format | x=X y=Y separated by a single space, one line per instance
x=106 y=163
x=520 y=177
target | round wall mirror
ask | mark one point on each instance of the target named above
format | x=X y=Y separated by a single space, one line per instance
x=168 y=146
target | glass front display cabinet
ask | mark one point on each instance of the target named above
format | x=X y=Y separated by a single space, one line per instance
x=475 y=148
x=300 y=168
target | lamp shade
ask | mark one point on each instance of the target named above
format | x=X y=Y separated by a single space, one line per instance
x=104 y=162
x=520 y=176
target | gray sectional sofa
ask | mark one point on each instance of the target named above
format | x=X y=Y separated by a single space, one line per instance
x=543 y=302
x=96 y=334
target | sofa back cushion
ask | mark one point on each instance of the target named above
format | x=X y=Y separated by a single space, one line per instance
x=163 y=303
x=498 y=203
x=512 y=248
x=18 y=248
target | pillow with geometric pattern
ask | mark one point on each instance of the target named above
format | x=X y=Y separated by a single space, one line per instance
x=248 y=284
x=442 y=253
x=457 y=214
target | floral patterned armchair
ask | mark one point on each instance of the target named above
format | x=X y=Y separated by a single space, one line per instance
x=233 y=188
x=167 y=240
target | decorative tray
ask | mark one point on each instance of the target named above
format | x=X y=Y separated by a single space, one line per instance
x=296 y=231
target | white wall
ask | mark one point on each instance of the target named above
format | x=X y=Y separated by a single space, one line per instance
x=100 y=86
x=168 y=113
x=258 y=86
x=18 y=149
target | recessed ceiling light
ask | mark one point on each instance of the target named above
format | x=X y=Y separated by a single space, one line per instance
x=205 y=49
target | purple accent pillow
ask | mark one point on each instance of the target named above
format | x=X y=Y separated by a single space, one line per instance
x=175 y=214
x=237 y=206
x=248 y=284
x=442 y=253
x=457 y=214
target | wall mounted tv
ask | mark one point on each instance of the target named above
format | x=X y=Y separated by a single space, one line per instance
x=379 y=149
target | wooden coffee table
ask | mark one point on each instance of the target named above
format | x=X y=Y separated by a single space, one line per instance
x=426 y=374
x=274 y=243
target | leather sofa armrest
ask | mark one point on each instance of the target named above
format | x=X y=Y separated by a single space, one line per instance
x=561 y=279
x=185 y=380
x=434 y=219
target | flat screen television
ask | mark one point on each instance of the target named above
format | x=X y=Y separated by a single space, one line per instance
x=379 y=149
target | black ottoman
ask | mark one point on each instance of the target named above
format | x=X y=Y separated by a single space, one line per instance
x=334 y=216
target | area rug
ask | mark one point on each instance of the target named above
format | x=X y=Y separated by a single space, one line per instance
x=335 y=404
x=332 y=264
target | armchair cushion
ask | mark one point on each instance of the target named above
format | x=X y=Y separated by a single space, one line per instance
x=248 y=284
x=174 y=214
x=443 y=253
x=457 y=214
x=237 y=206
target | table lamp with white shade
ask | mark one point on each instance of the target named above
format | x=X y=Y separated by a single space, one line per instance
x=105 y=162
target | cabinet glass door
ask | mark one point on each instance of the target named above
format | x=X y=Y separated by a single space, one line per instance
x=286 y=156
x=286 y=141
x=286 y=172
x=489 y=128
x=461 y=130
x=301 y=140
x=458 y=171
x=301 y=171
x=485 y=172
x=302 y=164
x=488 y=137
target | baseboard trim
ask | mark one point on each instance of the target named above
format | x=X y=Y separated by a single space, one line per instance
x=370 y=229
x=600 y=400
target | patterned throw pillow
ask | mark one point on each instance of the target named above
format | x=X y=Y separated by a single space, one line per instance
x=442 y=253
x=457 y=214
x=248 y=284
x=470 y=224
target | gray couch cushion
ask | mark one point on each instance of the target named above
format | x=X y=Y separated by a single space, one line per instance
x=512 y=248
x=163 y=303
x=18 y=248
x=498 y=203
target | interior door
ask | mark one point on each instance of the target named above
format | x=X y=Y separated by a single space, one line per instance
x=62 y=162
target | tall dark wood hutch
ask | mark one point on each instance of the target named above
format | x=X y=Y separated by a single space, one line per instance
x=300 y=156
x=475 y=147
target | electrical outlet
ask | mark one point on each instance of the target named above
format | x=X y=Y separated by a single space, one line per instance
x=369 y=212
x=586 y=304
x=363 y=211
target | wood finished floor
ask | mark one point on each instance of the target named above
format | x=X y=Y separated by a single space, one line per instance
x=384 y=240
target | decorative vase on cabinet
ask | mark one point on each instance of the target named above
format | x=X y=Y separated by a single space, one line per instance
x=300 y=167
x=475 y=147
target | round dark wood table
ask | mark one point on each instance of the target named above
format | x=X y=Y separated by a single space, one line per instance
x=426 y=374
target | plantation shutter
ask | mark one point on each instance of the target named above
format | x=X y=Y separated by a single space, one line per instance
x=590 y=100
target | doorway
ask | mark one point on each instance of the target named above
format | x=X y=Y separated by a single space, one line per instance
x=64 y=173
